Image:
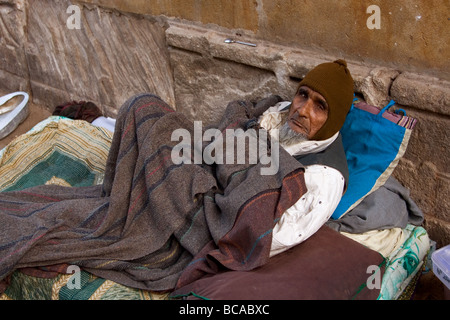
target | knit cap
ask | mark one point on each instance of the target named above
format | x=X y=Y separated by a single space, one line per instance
x=335 y=83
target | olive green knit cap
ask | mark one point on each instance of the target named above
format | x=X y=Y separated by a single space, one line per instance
x=335 y=83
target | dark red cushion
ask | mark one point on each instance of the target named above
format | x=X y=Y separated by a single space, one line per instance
x=326 y=266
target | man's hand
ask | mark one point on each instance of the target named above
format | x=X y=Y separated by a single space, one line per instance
x=262 y=105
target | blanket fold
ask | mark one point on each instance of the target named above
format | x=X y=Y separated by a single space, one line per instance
x=390 y=206
x=152 y=223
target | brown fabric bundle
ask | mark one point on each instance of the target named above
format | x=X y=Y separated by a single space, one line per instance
x=78 y=110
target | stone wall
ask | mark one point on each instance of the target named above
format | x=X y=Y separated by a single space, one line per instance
x=110 y=57
x=408 y=34
x=120 y=48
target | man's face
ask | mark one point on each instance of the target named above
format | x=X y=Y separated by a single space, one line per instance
x=308 y=112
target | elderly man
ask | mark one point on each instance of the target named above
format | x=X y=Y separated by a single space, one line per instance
x=308 y=128
x=155 y=224
x=309 y=131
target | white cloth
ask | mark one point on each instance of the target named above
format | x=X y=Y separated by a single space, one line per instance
x=325 y=187
x=315 y=207
x=385 y=241
x=105 y=122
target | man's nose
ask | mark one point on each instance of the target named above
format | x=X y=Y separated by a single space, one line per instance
x=305 y=109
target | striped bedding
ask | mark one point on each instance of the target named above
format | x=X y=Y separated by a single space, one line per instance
x=124 y=229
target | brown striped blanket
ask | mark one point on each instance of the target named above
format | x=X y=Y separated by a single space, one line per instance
x=152 y=224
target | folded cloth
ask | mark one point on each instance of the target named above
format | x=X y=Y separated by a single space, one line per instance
x=390 y=206
x=105 y=122
x=374 y=141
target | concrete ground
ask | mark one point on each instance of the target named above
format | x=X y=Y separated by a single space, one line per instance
x=429 y=287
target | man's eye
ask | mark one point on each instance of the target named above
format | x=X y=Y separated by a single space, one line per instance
x=321 y=106
x=303 y=93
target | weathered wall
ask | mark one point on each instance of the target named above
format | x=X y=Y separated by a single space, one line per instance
x=115 y=53
x=412 y=35
x=110 y=58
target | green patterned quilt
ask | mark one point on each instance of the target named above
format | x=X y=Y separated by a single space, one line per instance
x=404 y=264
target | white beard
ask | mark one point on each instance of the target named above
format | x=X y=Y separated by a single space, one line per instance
x=289 y=137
